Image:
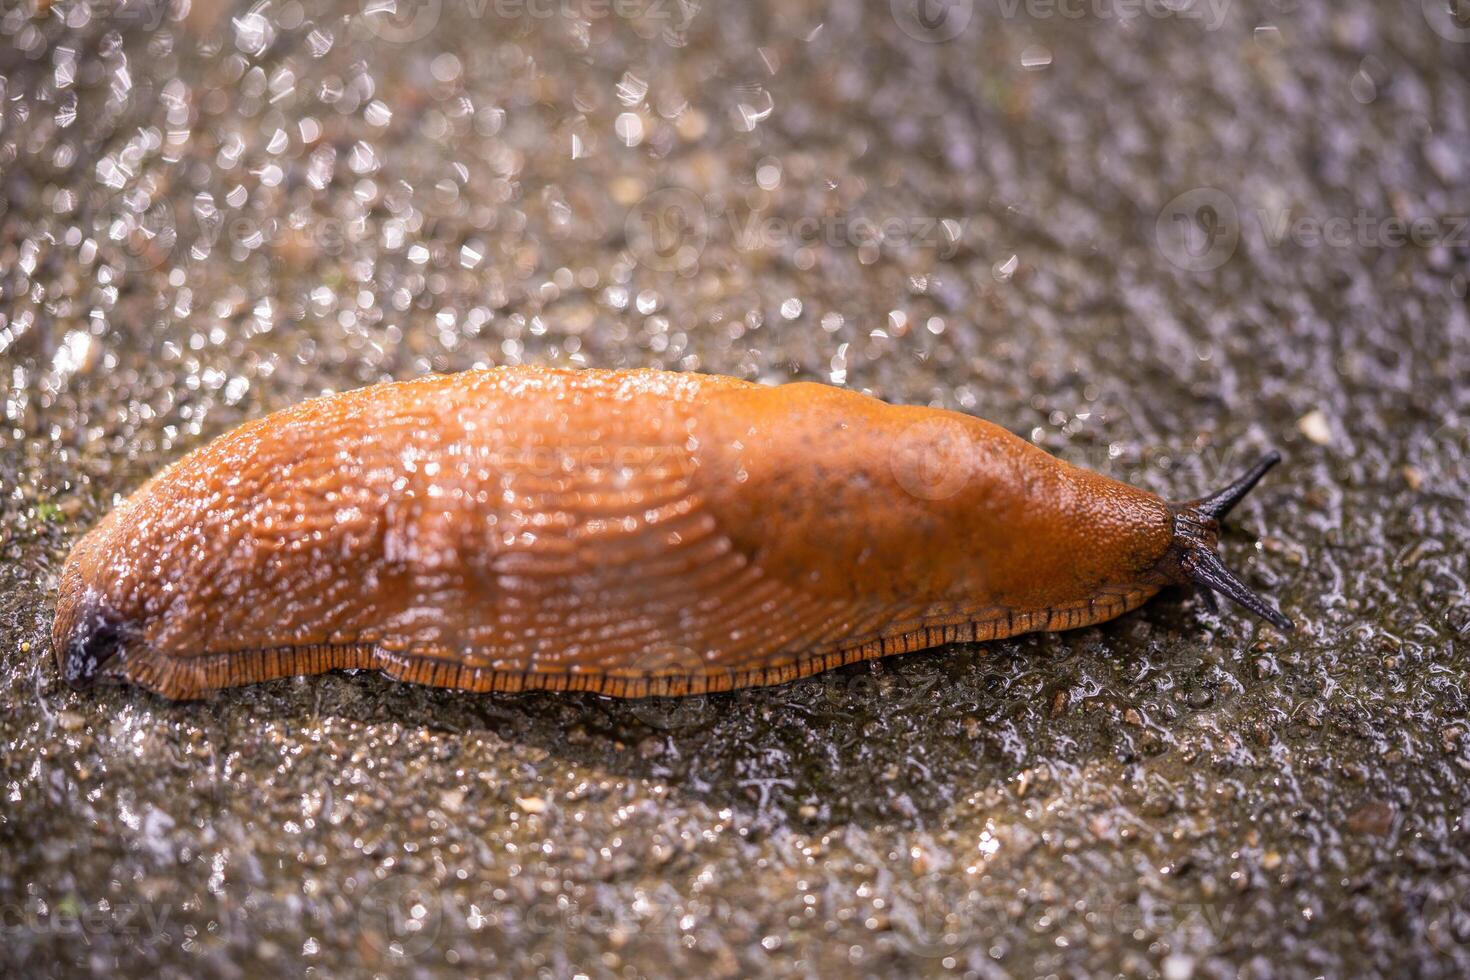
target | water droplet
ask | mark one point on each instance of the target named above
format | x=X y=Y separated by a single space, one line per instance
x=1036 y=57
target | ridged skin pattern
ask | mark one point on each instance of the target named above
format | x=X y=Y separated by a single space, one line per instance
x=627 y=532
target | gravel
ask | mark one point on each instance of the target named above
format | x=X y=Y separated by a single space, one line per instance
x=1154 y=239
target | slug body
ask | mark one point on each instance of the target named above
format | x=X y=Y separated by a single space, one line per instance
x=627 y=532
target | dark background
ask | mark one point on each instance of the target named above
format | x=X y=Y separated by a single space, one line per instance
x=1178 y=235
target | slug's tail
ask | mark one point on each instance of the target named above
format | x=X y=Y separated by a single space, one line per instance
x=1196 y=528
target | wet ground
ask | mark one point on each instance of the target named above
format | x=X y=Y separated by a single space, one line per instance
x=1156 y=239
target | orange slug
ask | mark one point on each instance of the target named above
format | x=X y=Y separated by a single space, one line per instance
x=632 y=533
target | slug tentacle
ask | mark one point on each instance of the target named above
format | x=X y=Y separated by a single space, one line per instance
x=1193 y=556
x=1220 y=503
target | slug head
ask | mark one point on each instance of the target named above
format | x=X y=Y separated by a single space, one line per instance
x=86 y=642
x=1192 y=558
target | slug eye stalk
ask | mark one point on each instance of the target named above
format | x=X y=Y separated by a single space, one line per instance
x=1196 y=526
x=1223 y=501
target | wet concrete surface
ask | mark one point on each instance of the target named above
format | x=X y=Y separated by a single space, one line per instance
x=1154 y=239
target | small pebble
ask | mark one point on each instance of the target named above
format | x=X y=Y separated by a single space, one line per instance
x=1374 y=817
x=1314 y=426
